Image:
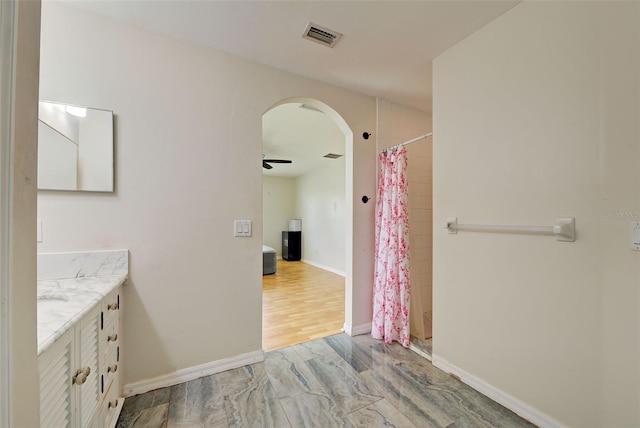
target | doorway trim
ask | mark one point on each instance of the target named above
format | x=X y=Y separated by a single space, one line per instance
x=7 y=27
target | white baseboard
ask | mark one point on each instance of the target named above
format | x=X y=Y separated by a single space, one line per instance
x=327 y=268
x=347 y=329
x=419 y=351
x=526 y=411
x=357 y=330
x=192 y=373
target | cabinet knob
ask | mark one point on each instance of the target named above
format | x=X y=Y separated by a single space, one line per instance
x=112 y=337
x=81 y=375
x=79 y=379
x=112 y=369
x=113 y=403
x=113 y=306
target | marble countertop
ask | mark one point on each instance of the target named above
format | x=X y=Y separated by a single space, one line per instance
x=63 y=302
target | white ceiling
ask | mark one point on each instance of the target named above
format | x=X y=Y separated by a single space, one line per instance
x=386 y=51
x=301 y=135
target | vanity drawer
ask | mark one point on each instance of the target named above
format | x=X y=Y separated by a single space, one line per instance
x=110 y=378
x=110 y=356
x=111 y=307
x=110 y=364
x=110 y=345
x=112 y=405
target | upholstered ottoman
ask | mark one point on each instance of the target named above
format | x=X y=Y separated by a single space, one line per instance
x=268 y=260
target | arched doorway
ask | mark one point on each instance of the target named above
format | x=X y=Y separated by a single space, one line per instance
x=306 y=298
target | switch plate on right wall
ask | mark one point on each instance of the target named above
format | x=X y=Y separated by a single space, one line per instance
x=634 y=231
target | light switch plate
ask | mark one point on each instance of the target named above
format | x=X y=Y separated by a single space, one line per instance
x=634 y=235
x=242 y=228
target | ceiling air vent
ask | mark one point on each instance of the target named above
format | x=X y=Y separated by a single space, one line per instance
x=321 y=35
x=332 y=156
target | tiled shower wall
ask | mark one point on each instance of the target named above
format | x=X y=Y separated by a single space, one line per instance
x=396 y=124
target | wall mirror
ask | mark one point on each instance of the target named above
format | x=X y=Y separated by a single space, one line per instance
x=75 y=148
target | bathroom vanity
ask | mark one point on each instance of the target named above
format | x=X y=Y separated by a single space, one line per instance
x=79 y=337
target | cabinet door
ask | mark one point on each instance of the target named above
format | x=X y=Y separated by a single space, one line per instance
x=57 y=402
x=87 y=336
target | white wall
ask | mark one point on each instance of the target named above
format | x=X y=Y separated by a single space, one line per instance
x=318 y=198
x=188 y=149
x=278 y=206
x=320 y=203
x=397 y=124
x=536 y=117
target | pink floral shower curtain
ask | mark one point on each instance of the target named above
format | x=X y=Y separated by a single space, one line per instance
x=391 y=275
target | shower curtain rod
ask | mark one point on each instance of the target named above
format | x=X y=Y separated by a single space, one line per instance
x=430 y=134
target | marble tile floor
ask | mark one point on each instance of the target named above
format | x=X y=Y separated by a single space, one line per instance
x=338 y=381
x=424 y=346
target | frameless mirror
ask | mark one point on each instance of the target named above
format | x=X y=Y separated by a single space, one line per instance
x=75 y=148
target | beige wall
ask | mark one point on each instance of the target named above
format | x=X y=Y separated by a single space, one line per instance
x=318 y=198
x=320 y=203
x=536 y=117
x=18 y=169
x=278 y=206
x=396 y=124
x=188 y=124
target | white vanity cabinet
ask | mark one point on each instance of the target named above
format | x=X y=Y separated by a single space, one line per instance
x=69 y=376
x=80 y=373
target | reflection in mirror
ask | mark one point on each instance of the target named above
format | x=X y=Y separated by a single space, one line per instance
x=75 y=148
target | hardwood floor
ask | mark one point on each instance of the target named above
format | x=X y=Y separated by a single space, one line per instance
x=300 y=303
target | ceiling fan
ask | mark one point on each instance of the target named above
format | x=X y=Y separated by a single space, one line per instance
x=266 y=162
